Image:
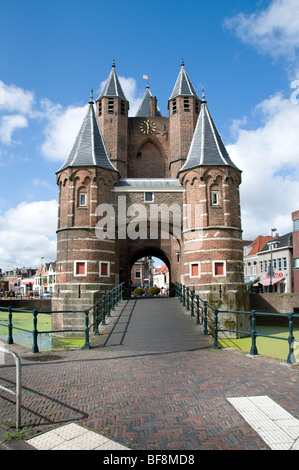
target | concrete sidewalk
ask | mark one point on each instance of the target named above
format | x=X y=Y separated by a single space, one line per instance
x=152 y=382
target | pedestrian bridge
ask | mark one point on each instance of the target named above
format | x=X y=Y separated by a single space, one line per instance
x=151 y=324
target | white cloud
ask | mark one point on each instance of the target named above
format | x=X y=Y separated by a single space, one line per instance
x=9 y=124
x=274 y=30
x=268 y=157
x=13 y=98
x=27 y=233
x=61 y=130
x=129 y=87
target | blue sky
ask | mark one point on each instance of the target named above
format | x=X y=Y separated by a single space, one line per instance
x=244 y=53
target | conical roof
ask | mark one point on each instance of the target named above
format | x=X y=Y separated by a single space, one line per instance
x=112 y=87
x=89 y=148
x=183 y=85
x=144 y=108
x=207 y=148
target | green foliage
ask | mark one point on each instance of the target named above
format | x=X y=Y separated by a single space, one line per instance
x=139 y=291
x=154 y=290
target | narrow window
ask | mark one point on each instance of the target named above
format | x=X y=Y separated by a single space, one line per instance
x=80 y=268
x=194 y=270
x=148 y=197
x=214 y=198
x=197 y=107
x=82 y=200
x=137 y=273
x=186 y=104
x=104 y=269
x=219 y=268
x=173 y=106
x=296 y=225
x=110 y=106
x=122 y=108
x=100 y=108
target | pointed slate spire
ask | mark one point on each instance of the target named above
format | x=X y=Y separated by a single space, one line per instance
x=144 y=108
x=207 y=148
x=112 y=87
x=89 y=148
x=183 y=85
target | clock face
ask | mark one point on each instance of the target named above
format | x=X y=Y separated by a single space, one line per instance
x=148 y=127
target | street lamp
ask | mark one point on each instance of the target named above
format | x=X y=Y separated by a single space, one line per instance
x=271 y=269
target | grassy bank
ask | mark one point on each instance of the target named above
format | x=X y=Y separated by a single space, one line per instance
x=276 y=348
x=46 y=341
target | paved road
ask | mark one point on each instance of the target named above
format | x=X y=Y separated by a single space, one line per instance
x=151 y=382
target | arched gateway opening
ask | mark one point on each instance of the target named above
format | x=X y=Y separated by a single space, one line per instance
x=150 y=267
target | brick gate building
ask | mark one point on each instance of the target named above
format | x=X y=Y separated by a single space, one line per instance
x=149 y=185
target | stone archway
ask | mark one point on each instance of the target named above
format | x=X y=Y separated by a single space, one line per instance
x=153 y=252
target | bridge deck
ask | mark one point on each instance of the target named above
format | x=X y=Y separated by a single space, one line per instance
x=157 y=324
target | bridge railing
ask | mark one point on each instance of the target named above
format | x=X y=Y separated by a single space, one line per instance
x=100 y=310
x=209 y=317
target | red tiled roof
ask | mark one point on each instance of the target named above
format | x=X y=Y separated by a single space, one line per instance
x=258 y=244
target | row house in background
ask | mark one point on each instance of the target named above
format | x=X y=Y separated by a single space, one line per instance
x=295 y=219
x=17 y=281
x=161 y=278
x=45 y=278
x=265 y=252
x=142 y=273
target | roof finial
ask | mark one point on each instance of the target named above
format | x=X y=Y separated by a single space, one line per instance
x=91 y=96
x=203 y=97
x=182 y=63
x=113 y=63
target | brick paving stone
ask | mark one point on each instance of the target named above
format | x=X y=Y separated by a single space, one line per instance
x=150 y=382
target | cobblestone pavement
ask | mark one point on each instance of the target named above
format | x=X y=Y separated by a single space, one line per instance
x=151 y=381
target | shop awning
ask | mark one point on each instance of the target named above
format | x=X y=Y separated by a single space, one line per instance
x=266 y=282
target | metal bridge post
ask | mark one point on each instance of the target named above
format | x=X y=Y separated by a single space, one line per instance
x=205 y=318
x=253 y=350
x=86 y=345
x=35 y=332
x=290 y=339
x=197 y=310
x=103 y=310
x=192 y=303
x=216 y=329
x=10 y=327
x=96 y=320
